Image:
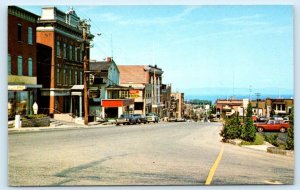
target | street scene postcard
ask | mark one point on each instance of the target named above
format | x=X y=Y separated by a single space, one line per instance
x=150 y=95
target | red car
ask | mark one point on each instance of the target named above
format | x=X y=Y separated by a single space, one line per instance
x=272 y=125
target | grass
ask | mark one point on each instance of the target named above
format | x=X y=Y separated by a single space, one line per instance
x=259 y=140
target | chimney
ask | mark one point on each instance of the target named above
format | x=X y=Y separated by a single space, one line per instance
x=108 y=59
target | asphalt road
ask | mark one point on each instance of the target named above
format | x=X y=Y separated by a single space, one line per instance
x=152 y=154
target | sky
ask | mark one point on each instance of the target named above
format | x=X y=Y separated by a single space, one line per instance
x=199 y=47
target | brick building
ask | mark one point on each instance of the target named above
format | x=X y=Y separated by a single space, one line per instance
x=177 y=105
x=60 y=61
x=147 y=87
x=22 y=61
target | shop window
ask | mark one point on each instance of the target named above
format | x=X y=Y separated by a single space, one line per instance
x=20 y=65
x=29 y=35
x=29 y=67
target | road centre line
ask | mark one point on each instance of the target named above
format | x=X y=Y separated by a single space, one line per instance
x=214 y=167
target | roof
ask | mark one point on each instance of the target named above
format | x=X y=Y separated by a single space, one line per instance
x=100 y=66
x=135 y=74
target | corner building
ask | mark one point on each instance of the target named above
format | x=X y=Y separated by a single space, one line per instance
x=60 y=61
x=22 y=62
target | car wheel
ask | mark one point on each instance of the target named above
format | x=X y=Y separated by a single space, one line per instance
x=260 y=129
x=282 y=129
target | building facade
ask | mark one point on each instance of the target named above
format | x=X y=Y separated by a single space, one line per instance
x=60 y=61
x=22 y=61
x=177 y=105
x=146 y=86
x=112 y=100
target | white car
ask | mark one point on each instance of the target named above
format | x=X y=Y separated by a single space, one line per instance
x=152 y=117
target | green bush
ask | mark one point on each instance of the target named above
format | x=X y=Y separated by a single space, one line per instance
x=231 y=129
x=37 y=116
x=290 y=137
x=259 y=140
x=248 y=132
x=272 y=139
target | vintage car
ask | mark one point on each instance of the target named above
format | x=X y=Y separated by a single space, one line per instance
x=126 y=119
x=140 y=118
x=272 y=125
x=152 y=117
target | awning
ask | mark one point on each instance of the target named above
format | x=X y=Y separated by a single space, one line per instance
x=112 y=103
x=22 y=87
x=77 y=87
x=135 y=86
x=117 y=87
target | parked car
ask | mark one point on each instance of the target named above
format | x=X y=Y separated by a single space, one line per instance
x=140 y=118
x=272 y=125
x=152 y=117
x=262 y=119
x=126 y=119
x=180 y=120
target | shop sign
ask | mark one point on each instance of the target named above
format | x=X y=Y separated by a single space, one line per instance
x=16 y=87
x=134 y=93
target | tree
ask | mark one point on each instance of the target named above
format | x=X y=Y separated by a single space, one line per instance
x=231 y=129
x=248 y=129
x=290 y=137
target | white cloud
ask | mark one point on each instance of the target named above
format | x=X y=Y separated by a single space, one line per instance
x=248 y=20
x=160 y=20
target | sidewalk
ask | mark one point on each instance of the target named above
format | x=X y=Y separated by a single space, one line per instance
x=262 y=147
x=65 y=126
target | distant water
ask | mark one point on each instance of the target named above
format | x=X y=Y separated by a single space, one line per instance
x=213 y=98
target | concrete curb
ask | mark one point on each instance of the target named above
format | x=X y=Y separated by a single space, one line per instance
x=266 y=147
x=275 y=150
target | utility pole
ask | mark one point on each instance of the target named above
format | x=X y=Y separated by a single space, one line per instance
x=84 y=26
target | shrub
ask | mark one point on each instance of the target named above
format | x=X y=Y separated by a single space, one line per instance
x=290 y=137
x=248 y=132
x=259 y=140
x=231 y=129
x=272 y=139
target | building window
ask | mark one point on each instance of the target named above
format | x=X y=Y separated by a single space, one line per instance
x=76 y=58
x=58 y=75
x=81 y=58
x=9 y=64
x=29 y=67
x=70 y=77
x=29 y=35
x=58 y=49
x=65 y=77
x=76 y=77
x=65 y=50
x=20 y=65
x=80 y=77
x=71 y=52
x=19 y=32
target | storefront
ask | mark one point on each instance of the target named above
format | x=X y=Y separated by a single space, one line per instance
x=21 y=99
x=112 y=108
